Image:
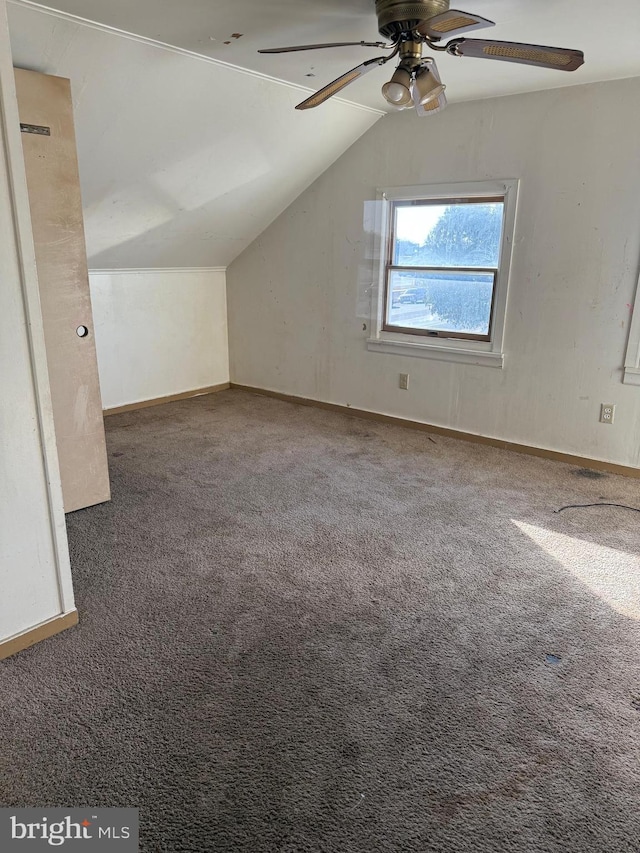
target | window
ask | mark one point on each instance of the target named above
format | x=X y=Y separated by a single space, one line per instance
x=444 y=254
x=442 y=267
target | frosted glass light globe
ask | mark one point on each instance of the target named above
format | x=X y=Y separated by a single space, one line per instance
x=395 y=92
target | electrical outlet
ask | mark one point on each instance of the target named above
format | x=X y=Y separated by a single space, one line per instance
x=404 y=381
x=607 y=411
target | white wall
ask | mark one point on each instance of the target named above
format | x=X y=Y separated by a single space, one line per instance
x=35 y=578
x=296 y=295
x=159 y=332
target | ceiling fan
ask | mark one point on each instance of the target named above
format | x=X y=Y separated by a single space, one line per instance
x=416 y=81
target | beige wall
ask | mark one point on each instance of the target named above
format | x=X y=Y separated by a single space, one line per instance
x=298 y=295
x=159 y=332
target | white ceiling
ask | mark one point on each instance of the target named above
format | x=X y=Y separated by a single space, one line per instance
x=203 y=26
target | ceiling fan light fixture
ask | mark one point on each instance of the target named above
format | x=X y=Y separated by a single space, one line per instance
x=410 y=25
x=428 y=87
x=399 y=107
x=397 y=91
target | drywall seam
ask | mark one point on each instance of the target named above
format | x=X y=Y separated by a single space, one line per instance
x=76 y=19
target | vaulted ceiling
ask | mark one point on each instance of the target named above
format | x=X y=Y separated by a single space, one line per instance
x=187 y=154
x=183 y=162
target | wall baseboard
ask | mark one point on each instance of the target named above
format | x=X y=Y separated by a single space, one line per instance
x=558 y=456
x=40 y=632
x=171 y=398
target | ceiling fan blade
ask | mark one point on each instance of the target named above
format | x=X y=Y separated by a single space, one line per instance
x=452 y=22
x=338 y=85
x=322 y=46
x=560 y=58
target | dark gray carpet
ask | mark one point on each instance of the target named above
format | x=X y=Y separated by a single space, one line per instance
x=301 y=631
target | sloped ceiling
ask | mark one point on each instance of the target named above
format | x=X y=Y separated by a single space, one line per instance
x=183 y=161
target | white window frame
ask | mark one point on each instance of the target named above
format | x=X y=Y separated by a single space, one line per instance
x=631 y=372
x=489 y=353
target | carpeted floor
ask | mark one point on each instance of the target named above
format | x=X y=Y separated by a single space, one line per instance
x=301 y=631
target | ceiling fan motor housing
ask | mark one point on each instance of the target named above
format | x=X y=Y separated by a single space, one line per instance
x=396 y=17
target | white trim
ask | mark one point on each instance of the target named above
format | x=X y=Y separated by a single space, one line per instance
x=22 y=234
x=440 y=353
x=488 y=353
x=471 y=189
x=34 y=628
x=158 y=270
x=631 y=376
x=105 y=28
x=631 y=373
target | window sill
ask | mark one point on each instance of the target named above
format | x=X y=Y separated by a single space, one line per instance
x=458 y=355
x=631 y=376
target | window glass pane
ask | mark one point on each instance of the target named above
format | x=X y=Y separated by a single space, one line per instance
x=440 y=301
x=448 y=235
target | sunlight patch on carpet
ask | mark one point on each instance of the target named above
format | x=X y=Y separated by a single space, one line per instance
x=613 y=575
